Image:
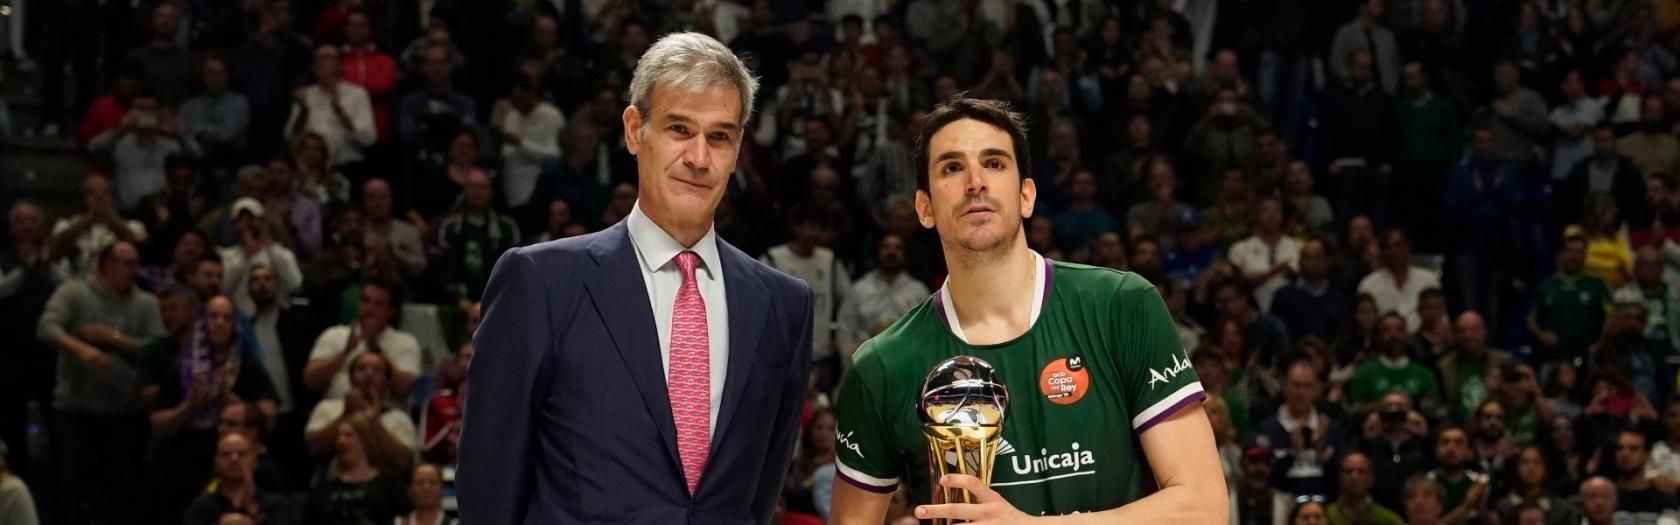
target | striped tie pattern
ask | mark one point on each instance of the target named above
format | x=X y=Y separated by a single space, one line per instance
x=690 y=375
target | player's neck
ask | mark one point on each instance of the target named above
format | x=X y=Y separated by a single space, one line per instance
x=993 y=296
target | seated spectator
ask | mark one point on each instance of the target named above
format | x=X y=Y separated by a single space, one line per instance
x=1397 y=284
x=1605 y=171
x=879 y=298
x=221 y=224
x=1303 y=442
x=1461 y=492
x=1529 y=484
x=1571 y=307
x=1623 y=350
x=1652 y=148
x=1661 y=300
x=237 y=490
x=216 y=118
x=1635 y=496
x=333 y=280
x=804 y=258
x=340 y=112
x=385 y=231
x=473 y=238
x=246 y=419
x=530 y=135
x=1194 y=250
x=367 y=487
x=138 y=150
x=1433 y=337
x=257 y=247
x=295 y=215
x=183 y=261
x=438 y=177
x=17 y=505
x=1354 y=504
x=196 y=370
x=1224 y=140
x=1464 y=371
x=1309 y=512
x=1518 y=116
x=206 y=280
x=425 y=490
x=1159 y=212
x=559 y=216
x=1267 y=259
x=1085 y=218
x=1311 y=306
x=1424 y=501
x=1392 y=371
x=1231 y=216
x=1106 y=251
x=1260 y=329
x=336 y=349
x=97 y=324
x=1393 y=444
x=1609 y=254
x=430 y=116
x=1255 y=501
x=370 y=396
x=1145 y=258
x=1225 y=444
x=317 y=176
x=76 y=239
x=109 y=110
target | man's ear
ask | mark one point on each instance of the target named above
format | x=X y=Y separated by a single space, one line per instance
x=924 y=209
x=632 y=129
x=1029 y=195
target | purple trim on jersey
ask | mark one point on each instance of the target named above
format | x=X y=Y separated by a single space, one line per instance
x=939 y=305
x=1192 y=398
x=864 y=486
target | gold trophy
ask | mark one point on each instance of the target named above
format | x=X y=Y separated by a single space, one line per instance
x=962 y=408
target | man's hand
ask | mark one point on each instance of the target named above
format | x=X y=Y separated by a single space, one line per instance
x=1548 y=339
x=991 y=509
x=96 y=361
x=100 y=335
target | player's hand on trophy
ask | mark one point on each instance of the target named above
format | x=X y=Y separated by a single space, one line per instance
x=992 y=509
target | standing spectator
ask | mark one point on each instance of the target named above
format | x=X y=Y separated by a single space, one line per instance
x=1434 y=335
x=1609 y=253
x=1354 y=504
x=1396 y=449
x=430 y=116
x=385 y=231
x=216 y=119
x=174 y=211
x=1464 y=386
x=1268 y=259
x=1605 y=172
x=296 y=214
x=1571 y=307
x=367 y=487
x=138 y=150
x=1392 y=370
x=1366 y=34
x=1256 y=502
x=1397 y=285
x=1084 y=219
x=166 y=68
x=530 y=135
x=1312 y=306
x=337 y=347
x=1525 y=407
x=1635 y=497
x=26 y=282
x=1661 y=300
x=803 y=258
x=1303 y=441
x=558 y=218
x=1427 y=133
x=269 y=66
x=282 y=334
x=1359 y=125
x=257 y=247
x=316 y=176
x=1517 y=116
x=1576 y=122
x=472 y=239
x=879 y=298
x=96 y=324
x=338 y=111
x=425 y=490
x=1652 y=148
x=1462 y=491
x=237 y=489
x=366 y=66
x=369 y=397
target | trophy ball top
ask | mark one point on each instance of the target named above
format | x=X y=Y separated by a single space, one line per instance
x=963 y=391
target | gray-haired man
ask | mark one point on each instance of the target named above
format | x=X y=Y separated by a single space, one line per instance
x=651 y=372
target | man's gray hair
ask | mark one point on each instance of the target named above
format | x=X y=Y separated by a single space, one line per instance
x=690 y=62
x=1422 y=481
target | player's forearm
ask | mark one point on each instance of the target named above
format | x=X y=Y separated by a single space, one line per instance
x=1202 y=504
x=855 y=506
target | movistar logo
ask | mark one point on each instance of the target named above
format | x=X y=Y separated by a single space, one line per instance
x=1073 y=460
x=1167 y=374
x=845 y=440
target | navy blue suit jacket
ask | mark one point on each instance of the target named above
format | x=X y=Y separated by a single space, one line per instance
x=568 y=419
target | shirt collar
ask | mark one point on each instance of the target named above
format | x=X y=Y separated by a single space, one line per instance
x=658 y=249
x=1394 y=364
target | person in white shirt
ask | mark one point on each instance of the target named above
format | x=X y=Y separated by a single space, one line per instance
x=530 y=134
x=879 y=298
x=1268 y=258
x=256 y=247
x=338 y=111
x=336 y=349
x=1574 y=120
x=805 y=259
x=370 y=395
x=76 y=240
x=1397 y=285
x=1664 y=467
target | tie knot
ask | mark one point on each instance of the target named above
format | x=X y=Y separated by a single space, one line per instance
x=686 y=261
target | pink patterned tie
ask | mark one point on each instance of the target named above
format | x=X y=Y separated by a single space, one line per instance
x=690 y=382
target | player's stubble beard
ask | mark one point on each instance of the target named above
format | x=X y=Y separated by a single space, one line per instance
x=977 y=247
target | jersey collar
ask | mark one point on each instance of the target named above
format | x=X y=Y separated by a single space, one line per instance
x=1041 y=294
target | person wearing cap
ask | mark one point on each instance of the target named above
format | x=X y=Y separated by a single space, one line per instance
x=1255 y=499
x=256 y=247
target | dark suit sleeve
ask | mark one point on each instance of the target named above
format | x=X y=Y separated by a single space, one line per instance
x=792 y=404
x=497 y=434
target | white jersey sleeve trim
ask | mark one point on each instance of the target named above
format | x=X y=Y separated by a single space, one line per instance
x=1171 y=402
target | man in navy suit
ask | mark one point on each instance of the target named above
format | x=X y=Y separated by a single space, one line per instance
x=651 y=372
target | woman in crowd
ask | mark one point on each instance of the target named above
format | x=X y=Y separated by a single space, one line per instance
x=1526 y=481
x=366 y=488
x=1309 y=512
x=316 y=176
x=426 y=491
x=1609 y=254
x=812 y=477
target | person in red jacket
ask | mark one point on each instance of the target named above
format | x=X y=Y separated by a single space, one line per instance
x=365 y=65
x=107 y=111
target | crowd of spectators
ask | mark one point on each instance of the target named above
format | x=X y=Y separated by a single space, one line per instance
x=1424 y=253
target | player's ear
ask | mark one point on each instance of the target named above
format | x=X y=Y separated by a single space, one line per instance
x=924 y=209
x=632 y=129
x=1029 y=195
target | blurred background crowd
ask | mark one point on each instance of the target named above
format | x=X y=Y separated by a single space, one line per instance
x=1424 y=251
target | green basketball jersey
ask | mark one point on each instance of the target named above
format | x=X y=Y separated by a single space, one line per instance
x=1101 y=364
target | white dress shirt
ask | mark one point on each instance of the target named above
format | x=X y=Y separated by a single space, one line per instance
x=656 y=252
x=1391 y=297
x=345 y=143
x=1252 y=256
x=539 y=145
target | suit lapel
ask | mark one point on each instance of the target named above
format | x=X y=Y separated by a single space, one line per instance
x=748 y=313
x=620 y=296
